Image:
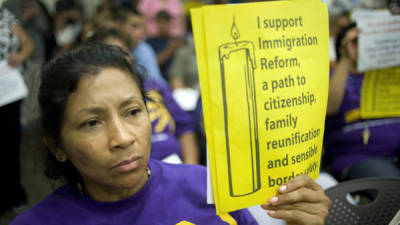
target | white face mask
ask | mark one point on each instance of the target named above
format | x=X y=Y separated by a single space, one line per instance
x=68 y=34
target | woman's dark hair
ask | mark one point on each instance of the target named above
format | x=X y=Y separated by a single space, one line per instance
x=59 y=79
x=342 y=33
x=102 y=36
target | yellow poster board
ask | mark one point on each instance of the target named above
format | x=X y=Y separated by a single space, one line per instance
x=380 y=93
x=264 y=73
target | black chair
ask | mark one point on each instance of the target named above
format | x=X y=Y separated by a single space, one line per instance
x=379 y=212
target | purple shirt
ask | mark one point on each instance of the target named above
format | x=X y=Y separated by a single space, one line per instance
x=344 y=141
x=168 y=121
x=174 y=193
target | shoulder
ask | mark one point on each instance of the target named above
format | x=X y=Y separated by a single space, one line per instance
x=48 y=210
x=144 y=48
x=180 y=171
x=144 y=53
x=186 y=185
x=193 y=177
x=151 y=84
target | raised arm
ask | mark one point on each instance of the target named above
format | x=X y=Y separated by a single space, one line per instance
x=347 y=63
x=26 y=46
x=190 y=150
x=337 y=86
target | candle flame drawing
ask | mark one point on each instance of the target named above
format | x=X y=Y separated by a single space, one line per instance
x=237 y=63
x=234 y=30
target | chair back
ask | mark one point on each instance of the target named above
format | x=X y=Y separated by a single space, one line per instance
x=379 y=212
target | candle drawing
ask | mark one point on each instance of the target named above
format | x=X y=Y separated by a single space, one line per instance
x=237 y=63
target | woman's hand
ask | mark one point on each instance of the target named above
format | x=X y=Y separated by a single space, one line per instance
x=349 y=45
x=301 y=201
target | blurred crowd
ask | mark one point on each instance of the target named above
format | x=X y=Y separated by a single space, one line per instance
x=157 y=33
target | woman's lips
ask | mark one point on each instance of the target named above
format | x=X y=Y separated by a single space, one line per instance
x=127 y=165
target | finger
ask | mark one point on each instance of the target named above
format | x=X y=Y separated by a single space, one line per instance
x=297 y=217
x=299 y=182
x=301 y=195
x=310 y=208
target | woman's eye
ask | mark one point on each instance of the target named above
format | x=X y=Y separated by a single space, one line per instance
x=133 y=112
x=91 y=123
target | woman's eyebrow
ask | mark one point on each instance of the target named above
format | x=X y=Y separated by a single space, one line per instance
x=100 y=110
x=91 y=110
x=129 y=101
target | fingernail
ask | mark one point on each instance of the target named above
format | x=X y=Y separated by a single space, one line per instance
x=271 y=212
x=273 y=200
x=282 y=188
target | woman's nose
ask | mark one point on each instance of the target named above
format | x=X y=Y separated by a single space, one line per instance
x=121 y=136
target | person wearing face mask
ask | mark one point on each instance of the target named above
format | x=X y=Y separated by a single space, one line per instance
x=68 y=23
x=356 y=147
x=96 y=135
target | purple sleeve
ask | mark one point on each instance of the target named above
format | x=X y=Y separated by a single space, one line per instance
x=243 y=216
x=183 y=120
x=191 y=182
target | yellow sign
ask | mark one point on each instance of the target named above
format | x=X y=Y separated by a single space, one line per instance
x=264 y=73
x=380 y=95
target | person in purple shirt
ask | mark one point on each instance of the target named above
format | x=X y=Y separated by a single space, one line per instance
x=355 y=147
x=97 y=131
x=172 y=128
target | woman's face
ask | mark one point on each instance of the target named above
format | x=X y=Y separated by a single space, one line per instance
x=351 y=43
x=106 y=134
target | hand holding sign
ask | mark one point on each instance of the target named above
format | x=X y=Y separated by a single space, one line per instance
x=300 y=201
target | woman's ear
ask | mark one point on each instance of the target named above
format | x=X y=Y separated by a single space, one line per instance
x=59 y=153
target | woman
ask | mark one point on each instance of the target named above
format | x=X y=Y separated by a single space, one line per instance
x=173 y=137
x=356 y=147
x=15 y=48
x=97 y=131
